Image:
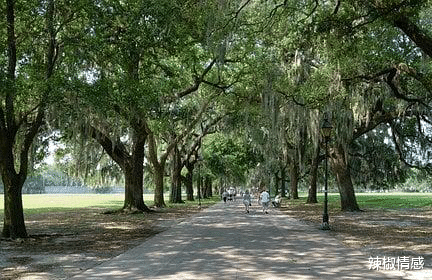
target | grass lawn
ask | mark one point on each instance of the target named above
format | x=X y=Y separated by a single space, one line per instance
x=43 y=203
x=396 y=200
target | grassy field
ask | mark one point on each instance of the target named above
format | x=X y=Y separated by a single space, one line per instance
x=42 y=203
x=395 y=200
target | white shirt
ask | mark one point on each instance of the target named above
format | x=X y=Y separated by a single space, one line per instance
x=265 y=197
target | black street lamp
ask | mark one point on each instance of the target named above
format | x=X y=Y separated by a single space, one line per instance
x=326 y=129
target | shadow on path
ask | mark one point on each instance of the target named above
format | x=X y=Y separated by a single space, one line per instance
x=223 y=242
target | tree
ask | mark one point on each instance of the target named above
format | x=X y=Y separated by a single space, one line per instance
x=28 y=83
x=229 y=157
x=375 y=165
x=143 y=61
x=187 y=154
x=120 y=75
x=130 y=162
x=158 y=162
x=346 y=40
x=92 y=101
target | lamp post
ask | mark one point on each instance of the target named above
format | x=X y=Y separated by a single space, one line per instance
x=326 y=132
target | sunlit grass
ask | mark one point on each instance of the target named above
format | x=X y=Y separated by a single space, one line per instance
x=396 y=200
x=204 y=202
x=43 y=203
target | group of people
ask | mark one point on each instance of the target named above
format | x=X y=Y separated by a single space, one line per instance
x=264 y=200
x=229 y=195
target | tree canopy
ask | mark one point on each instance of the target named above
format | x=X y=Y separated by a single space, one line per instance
x=140 y=89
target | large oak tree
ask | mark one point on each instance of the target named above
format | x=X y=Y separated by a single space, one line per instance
x=33 y=35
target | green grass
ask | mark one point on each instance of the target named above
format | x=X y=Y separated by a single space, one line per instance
x=43 y=203
x=204 y=202
x=395 y=200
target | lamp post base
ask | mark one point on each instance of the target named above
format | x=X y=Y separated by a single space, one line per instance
x=325 y=226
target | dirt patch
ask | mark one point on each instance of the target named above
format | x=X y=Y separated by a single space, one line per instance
x=66 y=243
x=375 y=231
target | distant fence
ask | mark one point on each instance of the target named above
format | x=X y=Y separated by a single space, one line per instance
x=71 y=190
x=82 y=189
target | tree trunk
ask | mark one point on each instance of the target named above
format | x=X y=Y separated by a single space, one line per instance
x=342 y=171
x=175 y=196
x=134 y=190
x=189 y=182
x=283 y=181
x=134 y=184
x=204 y=187
x=199 y=186
x=158 y=165
x=159 y=172
x=418 y=36
x=294 y=172
x=14 y=225
x=210 y=189
x=277 y=183
x=312 y=192
x=131 y=165
x=208 y=192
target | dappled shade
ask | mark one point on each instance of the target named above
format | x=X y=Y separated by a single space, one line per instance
x=224 y=243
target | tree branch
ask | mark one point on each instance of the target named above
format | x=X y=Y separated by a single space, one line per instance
x=197 y=81
x=12 y=59
x=418 y=36
x=117 y=151
x=376 y=120
x=392 y=74
x=28 y=140
x=336 y=9
x=391 y=82
x=237 y=13
x=398 y=147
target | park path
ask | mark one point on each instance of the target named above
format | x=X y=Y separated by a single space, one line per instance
x=223 y=242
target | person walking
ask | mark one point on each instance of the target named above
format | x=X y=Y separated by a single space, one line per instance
x=247 y=200
x=225 y=196
x=265 y=201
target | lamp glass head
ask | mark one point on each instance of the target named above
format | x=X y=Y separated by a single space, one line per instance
x=326 y=128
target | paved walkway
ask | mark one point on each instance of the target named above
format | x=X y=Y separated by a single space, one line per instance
x=222 y=242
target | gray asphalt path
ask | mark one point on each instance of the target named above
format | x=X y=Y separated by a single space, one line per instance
x=223 y=242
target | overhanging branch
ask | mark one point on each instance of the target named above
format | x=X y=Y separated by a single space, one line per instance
x=197 y=81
